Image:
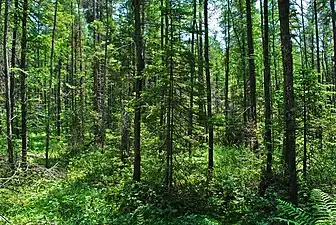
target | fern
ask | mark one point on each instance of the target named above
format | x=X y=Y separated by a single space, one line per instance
x=324 y=211
x=324 y=207
x=294 y=215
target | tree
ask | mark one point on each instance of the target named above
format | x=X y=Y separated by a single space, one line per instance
x=252 y=79
x=8 y=88
x=23 y=84
x=267 y=91
x=208 y=90
x=289 y=102
x=138 y=83
x=48 y=130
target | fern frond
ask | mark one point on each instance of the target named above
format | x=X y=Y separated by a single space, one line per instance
x=324 y=207
x=295 y=215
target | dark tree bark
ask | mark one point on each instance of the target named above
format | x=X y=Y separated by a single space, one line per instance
x=208 y=85
x=23 y=84
x=253 y=101
x=9 y=115
x=138 y=84
x=289 y=103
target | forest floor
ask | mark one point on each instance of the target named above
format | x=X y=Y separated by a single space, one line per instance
x=95 y=187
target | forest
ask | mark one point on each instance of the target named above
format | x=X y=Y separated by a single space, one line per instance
x=168 y=112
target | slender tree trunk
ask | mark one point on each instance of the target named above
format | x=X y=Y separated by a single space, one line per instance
x=58 y=95
x=138 y=84
x=268 y=96
x=50 y=86
x=208 y=85
x=317 y=43
x=305 y=122
x=200 y=66
x=227 y=66
x=9 y=115
x=23 y=84
x=277 y=86
x=13 y=65
x=192 y=75
x=289 y=103
x=170 y=114
x=333 y=13
x=253 y=102
x=243 y=60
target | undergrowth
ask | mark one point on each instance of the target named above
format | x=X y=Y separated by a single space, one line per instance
x=93 y=187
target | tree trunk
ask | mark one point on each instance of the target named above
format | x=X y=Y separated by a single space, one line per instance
x=289 y=103
x=268 y=96
x=208 y=85
x=305 y=122
x=200 y=67
x=138 y=84
x=58 y=95
x=13 y=65
x=253 y=102
x=333 y=13
x=192 y=75
x=317 y=43
x=50 y=86
x=23 y=84
x=9 y=115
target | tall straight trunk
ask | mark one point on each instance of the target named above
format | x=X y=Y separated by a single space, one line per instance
x=162 y=37
x=267 y=93
x=333 y=15
x=208 y=85
x=253 y=102
x=13 y=64
x=289 y=102
x=50 y=86
x=81 y=80
x=227 y=66
x=305 y=122
x=138 y=85
x=200 y=66
x=58 y=100
x=103 y=125
x=192 y=74
x=23 y=84
x=9 y=115
x=170 y=117
x=317 y=43
x=243 y=60
x=277 y=86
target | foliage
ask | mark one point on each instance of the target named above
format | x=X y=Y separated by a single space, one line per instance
x=323 y=210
